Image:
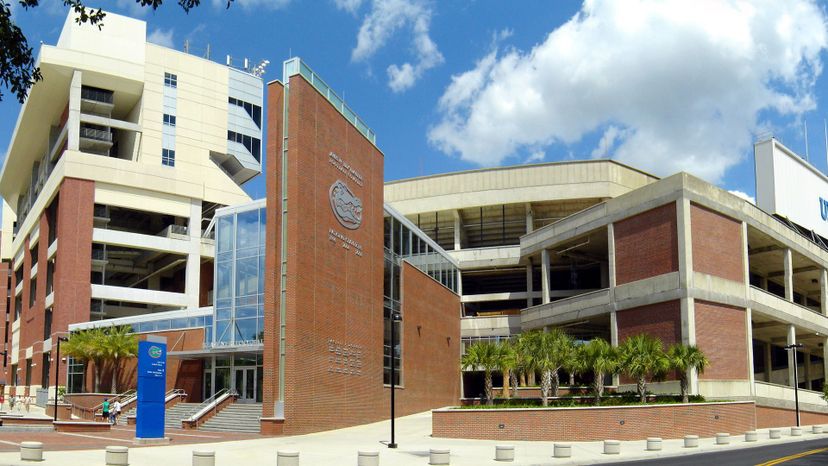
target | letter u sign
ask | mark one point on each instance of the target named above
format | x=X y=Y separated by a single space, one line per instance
x=823 y=208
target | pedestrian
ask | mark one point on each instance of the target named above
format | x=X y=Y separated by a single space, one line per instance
x=116 y=411
x=27 y=403
x=12 y=401
x=105 y=408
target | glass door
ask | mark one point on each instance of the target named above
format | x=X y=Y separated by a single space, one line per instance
x=245 y=384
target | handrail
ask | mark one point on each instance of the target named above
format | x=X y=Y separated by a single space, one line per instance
x=119 y=397
x=211 y=403
x=175 y=392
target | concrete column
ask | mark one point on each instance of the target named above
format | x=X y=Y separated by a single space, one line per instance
x=529 y=285
x=685 y=243
x=616 y=380
x=459 y=282
x=807 y=357
x=749 y=342
x=73 y=119
x=763 y=283
x=823 y=293
x=530 y=218
x=791 y=355
x=458 y=226
x=825 y=359
x=688 y=336
x=193 y=271
x=611 y=254
x=768 y=363
x=545 y=275
x=788 y=275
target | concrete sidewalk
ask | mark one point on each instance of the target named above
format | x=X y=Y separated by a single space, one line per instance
x=338 y=448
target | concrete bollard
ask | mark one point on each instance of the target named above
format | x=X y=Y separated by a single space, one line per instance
x=653 y=444
x=287 y=458
x=504 y=453
x=751 y=436
x=691 y=441
x=31 y=451
x=117 y=455
x=367 y=458
x=204 y=458
x=439 y=456
x=722 y=439
x=563 y=450
x=816 y=429
x=612 y=447
x=775 y=433
x=796 y=431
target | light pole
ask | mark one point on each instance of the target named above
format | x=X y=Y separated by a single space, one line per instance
x=57 y=372
x=395 y=317
x=794 y=347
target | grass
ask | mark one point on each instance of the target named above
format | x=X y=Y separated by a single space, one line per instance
x=570 y=401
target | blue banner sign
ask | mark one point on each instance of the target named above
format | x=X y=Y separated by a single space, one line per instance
x=152 y=387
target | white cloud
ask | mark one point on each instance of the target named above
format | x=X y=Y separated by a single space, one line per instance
x=351 y=6
x=743 y=195
x=680 y=84
x=381 y=23
x=162 y=37
x=253 y=4
x=536 y=156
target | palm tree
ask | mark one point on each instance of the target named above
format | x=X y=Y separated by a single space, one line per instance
x=79 y=347
x=119 y=344
x=683 y=359
x=482 y=355
x=599 y=357
x=642 y=356
x=506 y=364
x=547 y=353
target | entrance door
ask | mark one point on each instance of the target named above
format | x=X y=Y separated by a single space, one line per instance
x=245 y=384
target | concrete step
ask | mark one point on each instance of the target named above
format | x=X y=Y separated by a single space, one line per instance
x=238 y=417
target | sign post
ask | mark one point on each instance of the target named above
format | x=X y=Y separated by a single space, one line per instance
x=152 y=387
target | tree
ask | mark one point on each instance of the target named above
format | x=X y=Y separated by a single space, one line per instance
x=642 y=357
x=600 y=358
x=683 y=359
x=18 y=70
x=79 y=347
x=118 y=345
x=506 y=364
x=482 y=355
x=547 y=353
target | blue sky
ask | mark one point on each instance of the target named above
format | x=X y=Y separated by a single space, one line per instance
x=664 y=86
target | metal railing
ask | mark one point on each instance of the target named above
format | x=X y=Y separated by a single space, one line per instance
x=97 y=134
x=97 y=95
x=211 y=404
x=175 y=392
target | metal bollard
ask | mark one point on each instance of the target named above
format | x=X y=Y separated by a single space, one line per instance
x=691 y=441
x=653 y=444
x=439 y=456
x=204 y=458
x=504 y=453
x=117 y=455
x=796 y=431
x=612 y=447
x=751 y=436
x=775 y=433
x=287 y=458
x=367 y=458
x=722 y=439
x=816 y=429
x=563 y=450
x=31 y=451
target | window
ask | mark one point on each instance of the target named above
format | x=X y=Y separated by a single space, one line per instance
x=168 y=157
x=170 y=80
x=254 y=111
x=253 y=145
x=32 y=291
x=75 y=375
x=169 y=119
x=15 y=376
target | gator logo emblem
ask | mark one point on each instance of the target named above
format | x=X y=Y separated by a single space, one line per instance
x=154 y=352
x=347 y=208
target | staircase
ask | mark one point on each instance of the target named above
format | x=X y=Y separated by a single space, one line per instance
x=122 y=419
x=174 y=415
x=237 y=417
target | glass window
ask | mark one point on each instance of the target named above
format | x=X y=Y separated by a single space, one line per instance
x=170 y=80
x=168 y=157
x=169 y=120
x=247 y=276
x=245 y=330
x=224 y=279
x=248 y=229
x=225 y=233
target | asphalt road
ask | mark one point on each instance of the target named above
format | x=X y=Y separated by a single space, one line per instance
x=784 y=454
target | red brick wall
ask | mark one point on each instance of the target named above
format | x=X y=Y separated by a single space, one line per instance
x=717 y=244
x=73 y=264
x=721 y=335
x=646 y=245
x=4 y=309
x=590 y=424
x=778 y=417
x=206 y=284
x=431 y=344
x=273 y=152
x=661 y=320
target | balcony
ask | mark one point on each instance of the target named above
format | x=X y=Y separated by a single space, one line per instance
x=97 y=101
x=566 y=310
x=95 y=140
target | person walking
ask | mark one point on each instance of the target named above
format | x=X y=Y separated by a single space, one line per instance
x=116 y=411
x=105 y=409
x=27 y=403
